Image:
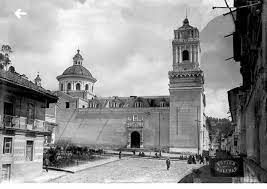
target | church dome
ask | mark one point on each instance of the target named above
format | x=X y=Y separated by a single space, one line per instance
x=77 y=70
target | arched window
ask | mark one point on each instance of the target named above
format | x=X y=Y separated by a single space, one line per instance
x=185 y=55
x=69 y=86
x=78 y=86
x=86 y=87
x=61 y=86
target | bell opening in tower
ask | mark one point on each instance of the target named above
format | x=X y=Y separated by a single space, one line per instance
x=185 y=55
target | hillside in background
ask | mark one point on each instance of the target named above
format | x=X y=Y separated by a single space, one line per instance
x=215 y=49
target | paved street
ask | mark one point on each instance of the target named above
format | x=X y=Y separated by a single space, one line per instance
x=131 y=170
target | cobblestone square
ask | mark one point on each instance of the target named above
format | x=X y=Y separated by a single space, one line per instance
x=132 y=170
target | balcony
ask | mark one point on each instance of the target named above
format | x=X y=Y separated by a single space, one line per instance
x=22 y=123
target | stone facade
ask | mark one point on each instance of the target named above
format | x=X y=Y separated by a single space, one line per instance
x=22 y=126
x=77 y=80
x=250 y=48
x=186 y=91
x=174 y=123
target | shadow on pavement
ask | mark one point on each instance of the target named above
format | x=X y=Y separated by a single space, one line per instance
x=203 y=175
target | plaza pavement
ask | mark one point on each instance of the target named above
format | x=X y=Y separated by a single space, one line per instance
x=132 y=170
x=51 y=174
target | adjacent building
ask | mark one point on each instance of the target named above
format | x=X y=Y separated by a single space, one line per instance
x=22 y=125
x=173 y=122
x=248 y=103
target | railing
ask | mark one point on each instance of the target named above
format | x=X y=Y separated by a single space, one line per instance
x=16 y=122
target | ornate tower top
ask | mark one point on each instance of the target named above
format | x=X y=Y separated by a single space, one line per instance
x=186 y=48
x=186 y=54
x=78 y=59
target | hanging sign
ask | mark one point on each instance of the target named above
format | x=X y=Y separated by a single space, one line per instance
x=230 y=167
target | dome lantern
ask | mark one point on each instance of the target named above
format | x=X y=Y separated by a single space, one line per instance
x=78 y=59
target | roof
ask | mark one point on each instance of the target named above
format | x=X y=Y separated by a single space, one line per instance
x=77 y=70
x=129 y=102
x=19 y=80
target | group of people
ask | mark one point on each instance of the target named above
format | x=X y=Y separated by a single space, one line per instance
x=193 y=159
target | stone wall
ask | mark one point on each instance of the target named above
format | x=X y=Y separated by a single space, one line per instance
x=107 y=127
x=185 y=110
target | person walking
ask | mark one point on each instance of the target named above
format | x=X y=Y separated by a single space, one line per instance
x=46 y=161
x=168 y=163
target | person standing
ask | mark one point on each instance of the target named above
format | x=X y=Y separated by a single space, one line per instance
x=46 y=161
x=120 y=154
x=168 y=163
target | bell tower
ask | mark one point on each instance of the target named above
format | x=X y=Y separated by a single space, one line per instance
x=186 y=48
x=187 y=98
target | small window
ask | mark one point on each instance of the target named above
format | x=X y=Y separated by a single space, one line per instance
x=185 y=55
x=86 y=87
x=61 y=87
x=162 y=104
x=83 y=106
x=67 y=105
x=6 y=172
x=29 y=150
x=78 y=86
x=7 y=148
x=69 y=86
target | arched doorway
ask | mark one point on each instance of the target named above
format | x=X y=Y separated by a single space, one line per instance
x=135 y=140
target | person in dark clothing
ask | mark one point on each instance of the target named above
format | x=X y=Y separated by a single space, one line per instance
x=193 y=160
x=207 y=159
x=201 y=159
x=46 y=161
x=168 y=163
x=120 y=154
x=189 y=161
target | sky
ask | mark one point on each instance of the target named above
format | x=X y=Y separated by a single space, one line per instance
x=126 y=44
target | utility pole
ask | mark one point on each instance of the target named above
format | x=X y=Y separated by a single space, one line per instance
x=159 y=134
x=198 y=145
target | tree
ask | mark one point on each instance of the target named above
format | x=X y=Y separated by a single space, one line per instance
x=4 y=56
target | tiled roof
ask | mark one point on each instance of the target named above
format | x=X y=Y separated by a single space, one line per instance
x=19 y=80
x=129 y=102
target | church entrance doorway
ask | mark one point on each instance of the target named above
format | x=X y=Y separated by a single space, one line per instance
x=135 y=140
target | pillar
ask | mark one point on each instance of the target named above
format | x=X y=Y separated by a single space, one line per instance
x=173 y=54
x=180 y=54
x=142 y=140
x=176 y=55
x=129 y=140
x=197 y=54
x=191 y=53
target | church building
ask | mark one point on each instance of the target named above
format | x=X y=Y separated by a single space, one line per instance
x=173 y=123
